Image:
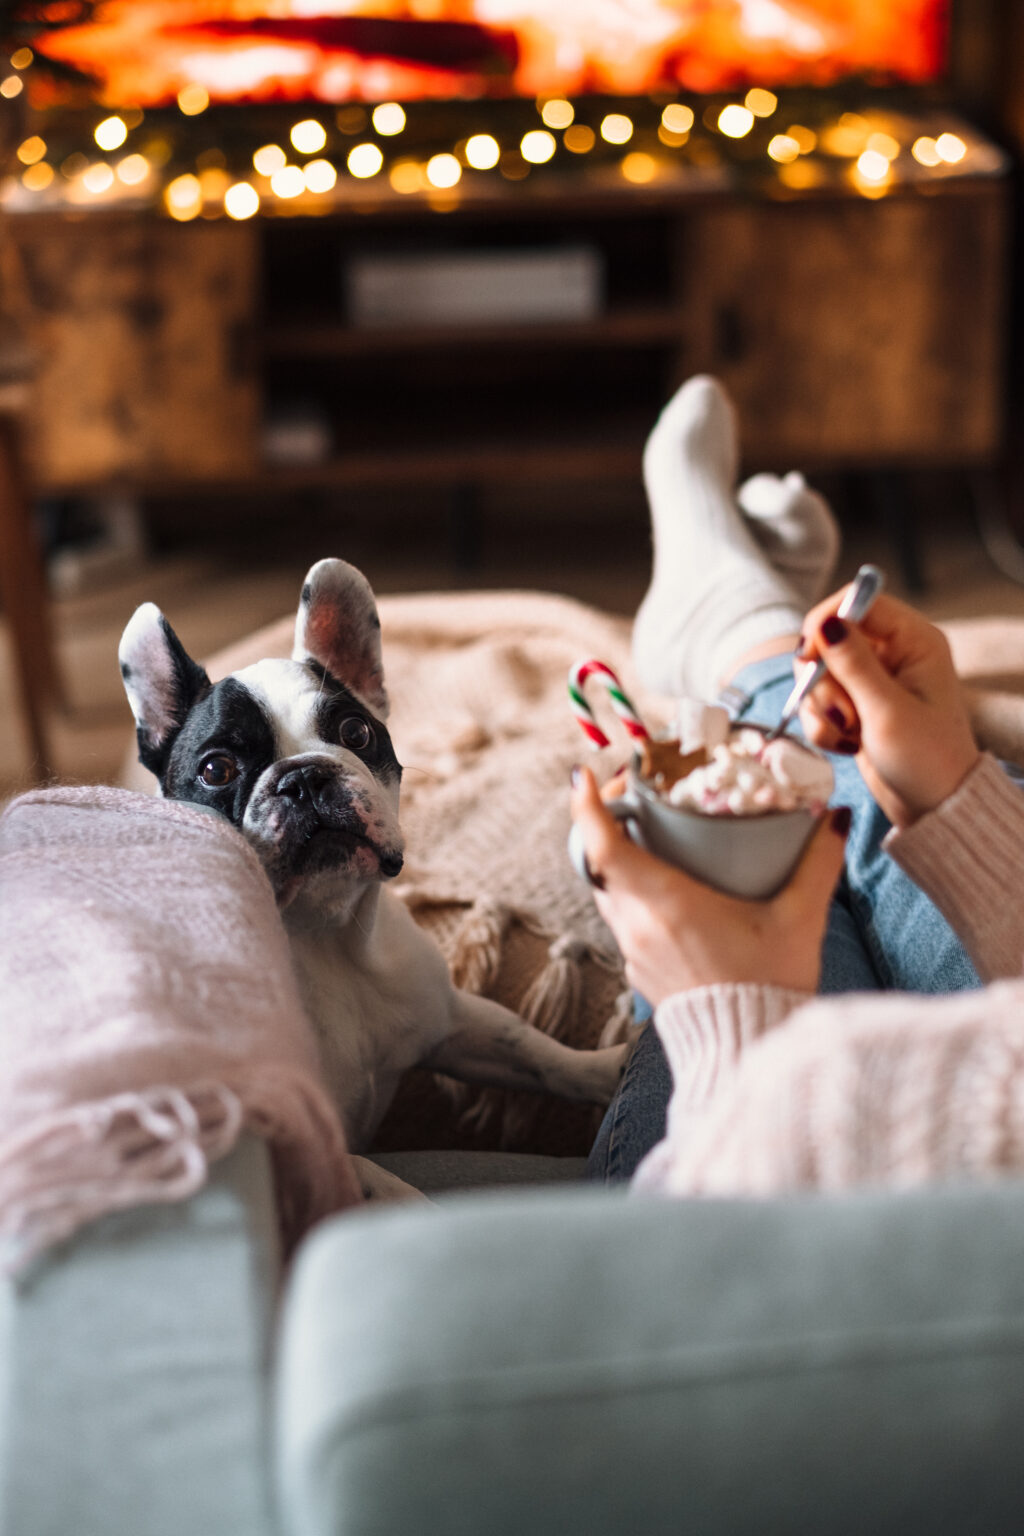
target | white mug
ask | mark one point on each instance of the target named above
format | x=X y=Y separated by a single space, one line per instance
x=749 y=856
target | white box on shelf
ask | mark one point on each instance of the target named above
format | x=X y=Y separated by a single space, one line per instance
x=528 y=286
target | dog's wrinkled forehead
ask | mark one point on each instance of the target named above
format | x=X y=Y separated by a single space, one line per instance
x=293 y=696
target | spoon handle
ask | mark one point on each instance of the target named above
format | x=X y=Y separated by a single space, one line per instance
x=866 y=586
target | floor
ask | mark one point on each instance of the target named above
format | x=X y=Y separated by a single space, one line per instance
x=218 y=577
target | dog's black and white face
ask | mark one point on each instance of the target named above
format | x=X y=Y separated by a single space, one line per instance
x=295 y=753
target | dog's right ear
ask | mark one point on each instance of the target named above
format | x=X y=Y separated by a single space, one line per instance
x=161 y=680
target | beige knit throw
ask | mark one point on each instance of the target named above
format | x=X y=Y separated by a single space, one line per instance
x=149 y=1016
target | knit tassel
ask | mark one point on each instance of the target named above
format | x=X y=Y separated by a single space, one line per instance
x=551 y=1003
x=476 y=951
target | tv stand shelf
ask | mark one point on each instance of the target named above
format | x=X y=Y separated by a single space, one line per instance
x=852 y=333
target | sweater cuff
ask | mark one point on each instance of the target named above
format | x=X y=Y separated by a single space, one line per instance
x=706 y=1030
x=965 y=855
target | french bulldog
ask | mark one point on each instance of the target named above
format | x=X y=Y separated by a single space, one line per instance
x=297 y=755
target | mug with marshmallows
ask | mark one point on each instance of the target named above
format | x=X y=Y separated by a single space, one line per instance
x=736 y=815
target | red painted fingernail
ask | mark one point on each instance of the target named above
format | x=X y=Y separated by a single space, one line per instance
x=597 y=881
x=847 y=746
x=835 y=714
x=842 y=820
x=833 y=630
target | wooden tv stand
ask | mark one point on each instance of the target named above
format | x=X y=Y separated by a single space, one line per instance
x=852 y=333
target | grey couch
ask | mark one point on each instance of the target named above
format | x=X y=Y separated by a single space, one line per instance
x=537 y=1360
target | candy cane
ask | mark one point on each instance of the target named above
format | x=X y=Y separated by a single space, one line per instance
x=622 y=706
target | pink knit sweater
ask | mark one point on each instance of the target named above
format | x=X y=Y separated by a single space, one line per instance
x=774 y=1091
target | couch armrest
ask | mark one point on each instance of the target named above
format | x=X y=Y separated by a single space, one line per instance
x=133 y=1368
x=587 y=1361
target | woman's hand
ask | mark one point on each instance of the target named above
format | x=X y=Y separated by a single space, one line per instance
x=676 y=933
x=891 y=696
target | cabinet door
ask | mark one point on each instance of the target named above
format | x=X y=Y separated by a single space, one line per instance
x=141 y=328
x=854 y=331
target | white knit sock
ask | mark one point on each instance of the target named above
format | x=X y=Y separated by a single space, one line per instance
x=713 y=593
x=795 y=528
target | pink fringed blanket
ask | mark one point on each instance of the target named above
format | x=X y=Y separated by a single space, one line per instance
x=148 y=1016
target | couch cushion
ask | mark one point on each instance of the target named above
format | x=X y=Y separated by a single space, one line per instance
x=594 y=1362
x=133 y=1369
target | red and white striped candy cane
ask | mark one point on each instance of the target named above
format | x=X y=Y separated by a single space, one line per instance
x=620 y=702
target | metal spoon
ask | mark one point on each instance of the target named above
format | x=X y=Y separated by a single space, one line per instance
x=866 y=586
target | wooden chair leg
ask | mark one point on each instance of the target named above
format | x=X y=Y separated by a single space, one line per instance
x=25 y=601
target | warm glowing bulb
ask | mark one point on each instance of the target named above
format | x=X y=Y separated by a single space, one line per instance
x=309 y=136
x=269 y=158
x=38 y=177
x=406 y=176
x=950 y=148
x=873 y=166
x=676 y=118
x=111 y=133
x=388 y=119
x=735 y=121
x=579 y=139
x=288 y=182
x=241 y=200
x=193 y=99
x=482 y=152
x=783 y=148
x=638 y=167
x=884 y=144
x=616 y=128
x=98 y=178
x=132 y=170
x=925 y=152
x=31 y=150
x=762 y=103
x=557 y=113
x=364 y=160
x=806 y=138
x=319 y=176
x=21 y=58
x=182 y=192
x=443 y=171
x=537 y=147
x=11 y=87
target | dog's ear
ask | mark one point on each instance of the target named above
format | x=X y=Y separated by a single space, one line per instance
x=337 y=626
x=161 y=680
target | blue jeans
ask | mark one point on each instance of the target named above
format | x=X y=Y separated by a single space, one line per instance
x=883 y=934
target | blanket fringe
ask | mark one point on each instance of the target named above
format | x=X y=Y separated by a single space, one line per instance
x=551 y=1003
x=476 y=952
x=93 y=1159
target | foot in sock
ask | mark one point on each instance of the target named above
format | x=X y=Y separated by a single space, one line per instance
x=714 y=595
x=795 y=529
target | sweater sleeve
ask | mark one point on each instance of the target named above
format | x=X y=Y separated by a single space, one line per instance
x=705 y=1033
x=967 y=856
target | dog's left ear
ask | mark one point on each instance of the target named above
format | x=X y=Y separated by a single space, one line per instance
x=337 y=626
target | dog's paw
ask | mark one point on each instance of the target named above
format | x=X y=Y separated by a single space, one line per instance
x=378 y=1185
x=611 y=1060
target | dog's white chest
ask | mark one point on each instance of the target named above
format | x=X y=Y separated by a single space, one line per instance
x=379 y=1001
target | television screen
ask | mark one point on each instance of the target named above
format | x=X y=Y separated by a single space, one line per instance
x=145 y=51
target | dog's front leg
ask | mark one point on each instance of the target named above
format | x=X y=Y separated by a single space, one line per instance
x=489 y=1044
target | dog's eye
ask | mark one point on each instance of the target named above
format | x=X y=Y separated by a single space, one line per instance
x=354 y=732
x=217 y=770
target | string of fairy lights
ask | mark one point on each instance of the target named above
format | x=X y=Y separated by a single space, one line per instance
x=188 y=163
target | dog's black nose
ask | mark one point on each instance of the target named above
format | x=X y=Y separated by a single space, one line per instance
x=300 y=784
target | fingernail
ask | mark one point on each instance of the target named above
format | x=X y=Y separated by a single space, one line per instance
x=835 y=714
x=833 y=630
x=842 y=820
x=800 y=643
x=847 y=746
